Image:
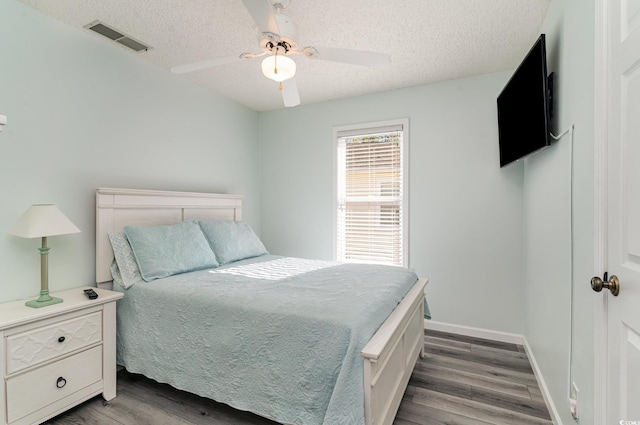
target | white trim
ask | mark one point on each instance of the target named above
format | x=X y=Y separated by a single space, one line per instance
x=406 y=199
x=600 y=237
x=555 y=416
x=339 y=130
x=474 y=332
x=361 y=130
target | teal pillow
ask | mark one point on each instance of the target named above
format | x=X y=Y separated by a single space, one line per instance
x=232 y=240
x=163 y=251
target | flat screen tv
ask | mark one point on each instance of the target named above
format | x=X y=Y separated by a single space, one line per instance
x=524 y=107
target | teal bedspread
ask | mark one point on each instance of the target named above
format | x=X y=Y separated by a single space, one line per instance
x=277 y=336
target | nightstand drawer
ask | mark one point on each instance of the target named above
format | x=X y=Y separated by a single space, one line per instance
x=35 y=346
x=33 y=390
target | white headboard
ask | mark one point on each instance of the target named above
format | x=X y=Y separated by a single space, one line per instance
x=116 y=208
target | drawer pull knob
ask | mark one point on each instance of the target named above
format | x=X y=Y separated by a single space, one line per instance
x=61 y=382
x=61 y=339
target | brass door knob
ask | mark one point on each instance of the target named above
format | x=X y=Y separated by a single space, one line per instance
x=613 y=284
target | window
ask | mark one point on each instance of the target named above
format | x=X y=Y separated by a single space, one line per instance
x=371 y=193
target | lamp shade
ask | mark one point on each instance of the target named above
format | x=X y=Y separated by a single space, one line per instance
x=41 y=221
x=278 y=68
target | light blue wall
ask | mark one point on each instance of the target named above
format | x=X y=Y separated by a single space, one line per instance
x=465 y=230
x=83 y=113
x=550 y=271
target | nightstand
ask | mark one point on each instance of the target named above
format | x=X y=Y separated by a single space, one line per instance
x=55 y=357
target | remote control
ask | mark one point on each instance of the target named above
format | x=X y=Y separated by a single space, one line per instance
x=91 y=294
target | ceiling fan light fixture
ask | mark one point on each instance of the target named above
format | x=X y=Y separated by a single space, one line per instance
x=278 y=68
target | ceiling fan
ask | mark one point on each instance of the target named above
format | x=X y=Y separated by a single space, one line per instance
x=278 y=43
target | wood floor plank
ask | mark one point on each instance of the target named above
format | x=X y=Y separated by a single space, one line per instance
x=516 y=364
x=474 y=379
x=418 y=414
x=499 y=351
x=478 y=368
x=474 y=409
x=403 y=422
x=441 y=385
x=465 y=346
x=85 y=414
x=197 y=410
x=515 y=404
x=130 y=411
x=122 y=410
x=472 y=340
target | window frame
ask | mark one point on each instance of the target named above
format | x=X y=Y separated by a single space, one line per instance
x=370 y=127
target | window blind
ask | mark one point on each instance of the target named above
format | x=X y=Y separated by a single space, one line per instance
x=370 y=196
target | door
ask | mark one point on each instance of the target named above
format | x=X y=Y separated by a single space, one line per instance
x=623 y=210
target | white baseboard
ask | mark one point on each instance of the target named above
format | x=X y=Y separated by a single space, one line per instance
x=553 y=411
x=502 y=337
x=474 y=332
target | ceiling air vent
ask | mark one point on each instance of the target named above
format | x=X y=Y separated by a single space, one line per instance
x=116 y=36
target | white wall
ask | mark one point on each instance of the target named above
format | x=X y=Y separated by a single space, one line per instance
x=550 y=271
x=83 y=113
x=465 y=212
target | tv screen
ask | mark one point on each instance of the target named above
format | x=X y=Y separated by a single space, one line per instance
x=523 y=107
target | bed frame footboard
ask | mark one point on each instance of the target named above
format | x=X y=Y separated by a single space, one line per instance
x=390 y=356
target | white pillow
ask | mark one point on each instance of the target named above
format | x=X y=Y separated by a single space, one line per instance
x=129 y=273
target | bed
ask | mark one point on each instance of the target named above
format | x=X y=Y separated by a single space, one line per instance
x=295 y=362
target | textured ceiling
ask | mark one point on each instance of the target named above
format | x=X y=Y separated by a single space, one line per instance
x=427 y=40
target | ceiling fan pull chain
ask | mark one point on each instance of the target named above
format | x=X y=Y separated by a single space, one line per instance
x=275 y=62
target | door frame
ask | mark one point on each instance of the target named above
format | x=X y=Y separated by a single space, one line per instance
x=600 y=216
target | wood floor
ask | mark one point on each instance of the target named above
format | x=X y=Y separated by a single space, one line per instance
x=461 y=381
x=464 y=380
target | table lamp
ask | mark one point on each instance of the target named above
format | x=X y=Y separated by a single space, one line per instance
x=41 y=221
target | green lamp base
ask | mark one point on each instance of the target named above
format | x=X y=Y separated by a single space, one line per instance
x=44 y=300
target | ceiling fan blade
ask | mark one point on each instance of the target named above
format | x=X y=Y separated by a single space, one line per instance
x=355 y=57
x=262 y=13
x=195 y=66
x=290 y=94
